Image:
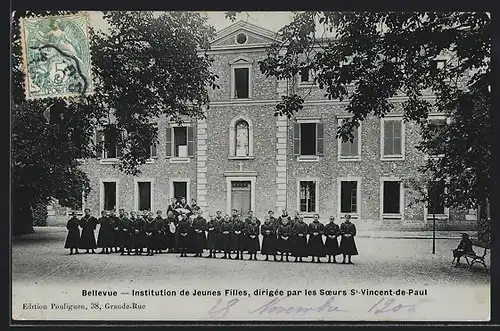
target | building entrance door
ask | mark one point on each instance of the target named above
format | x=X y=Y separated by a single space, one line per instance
x=241 y=196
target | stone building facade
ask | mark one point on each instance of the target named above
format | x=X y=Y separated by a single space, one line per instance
x=242 y=156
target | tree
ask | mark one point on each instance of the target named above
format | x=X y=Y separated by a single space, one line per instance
x=368 y=58
x=146 y=66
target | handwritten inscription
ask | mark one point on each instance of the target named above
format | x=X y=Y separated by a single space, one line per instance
x=282 y=306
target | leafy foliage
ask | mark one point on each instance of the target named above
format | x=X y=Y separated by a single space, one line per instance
x=146 y=66
x=366 y=58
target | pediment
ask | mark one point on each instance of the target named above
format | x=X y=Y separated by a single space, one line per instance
x=255 y=35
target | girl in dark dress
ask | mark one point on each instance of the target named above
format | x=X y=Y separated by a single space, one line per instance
x=315 y=245
x=199 y=238
x=103 y=237
x=183 y=235
x=126 y=234
x=212 y=228
x=73 y=237
x=150 y=231
x=269 y=239
x=252 y=235
x=284 y=233
x=160 y=232
x=88 y=224
x=170 y=229
x=226 y=228
x=139 y=234
x=219 y=220
x=299 y=237
x=347 y=243
x=332 y=231
x=238 y=237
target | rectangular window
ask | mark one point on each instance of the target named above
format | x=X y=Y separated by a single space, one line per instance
x=436 y=128
x=304 y=75
x=350 y=149
x=348 y=197
x=109 y=195
x=436 y=193
x=308 y=196
x=393 y=137
x=180 y=190
x=110 y=142
x=180 y=142
x=391 y=197
x=241 y=83
x=144 y=192
x=308 y=139
x=241 y=198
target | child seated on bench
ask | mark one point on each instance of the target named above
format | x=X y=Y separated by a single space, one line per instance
x=464 y=247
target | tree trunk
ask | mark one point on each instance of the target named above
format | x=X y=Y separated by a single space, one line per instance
x=483 y=221
x=22 y=217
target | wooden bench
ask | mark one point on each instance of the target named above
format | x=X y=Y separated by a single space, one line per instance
x=473 y=258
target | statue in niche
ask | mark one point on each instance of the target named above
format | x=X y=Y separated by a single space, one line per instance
x=242 y=139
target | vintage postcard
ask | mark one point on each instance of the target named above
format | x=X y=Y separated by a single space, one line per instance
x=56 y=56
x=259 y=210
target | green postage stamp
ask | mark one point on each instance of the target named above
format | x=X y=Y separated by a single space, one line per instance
x=56 y=56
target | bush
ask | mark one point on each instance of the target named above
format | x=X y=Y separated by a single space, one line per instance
x=40 y=214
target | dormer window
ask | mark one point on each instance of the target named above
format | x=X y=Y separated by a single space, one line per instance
x=241 y=78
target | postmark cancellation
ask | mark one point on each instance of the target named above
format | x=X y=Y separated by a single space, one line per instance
x=56 y=56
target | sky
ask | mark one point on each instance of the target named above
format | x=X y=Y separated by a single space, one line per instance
x=269 y=20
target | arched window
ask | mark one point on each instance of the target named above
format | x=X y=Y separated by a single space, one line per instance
x=241 y=138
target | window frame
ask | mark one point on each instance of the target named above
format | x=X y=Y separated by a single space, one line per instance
x=392 y=157
x=105 y=159
x=172 y=125
x=436 y=116
x=101 y=192
x=316 y=203
x=310 y=82
x=230 y=178
x=136 y=191
x=309 y=120
x=79 y=212
x=428 y=214
x=241 y=62
x=343 y=158
x=399 y=215
x=171 y=181
x=357 y=179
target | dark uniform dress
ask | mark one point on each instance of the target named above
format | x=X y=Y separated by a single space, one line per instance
x=252 y=235
x=88 y=225
x=315 y=245
x=73 y=237
x=125 y=234
x=332 y=231
x=139 y=235
x=150 y=231
x=269 y=239
x=159 y=234
x=104 y=235
x=299 y=231
x=238 y=237
x=170 y=223
x=183 y=229
x=284 y=243
x=220 y=244
x=226 y=229
x=212 y=229
x=347 y=244
x=172 y=208
x=115 y=232
x=199 y=238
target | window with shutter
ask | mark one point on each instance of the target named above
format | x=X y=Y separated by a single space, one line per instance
x=296 y=139
x=190 y=141
x=350 y=150
x=308 y=139
x=392 y=139
x=169 y=142
x=319 y=139
x=391 y=197
x=99 y=139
